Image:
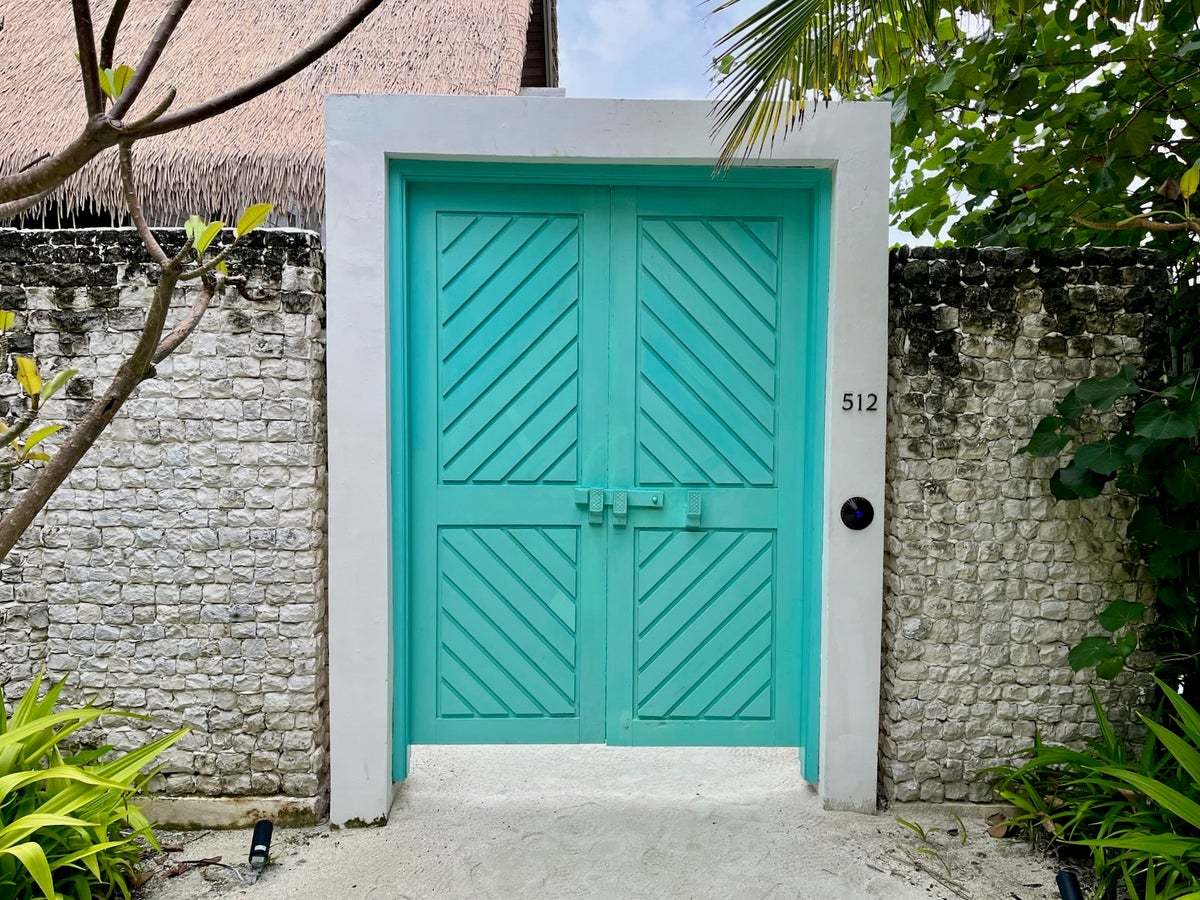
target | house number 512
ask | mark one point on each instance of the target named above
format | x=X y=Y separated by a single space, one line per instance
x=860 y=402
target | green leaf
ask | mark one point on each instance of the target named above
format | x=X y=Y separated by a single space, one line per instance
x=1161 y=421
x=6 y=319
x=1076 y=482
x=1183 y=480
x=1126 y=644
x=1137 y=481
x=252 y=218
x=1187 y=755
x=40 y=435
x=206 y=236
x=1071 y=407
x=1047 y=438
x=1168 y=846
x=1165 y=796
x=1164 y=564
x=1102 y=393
x=33 y=858
x=222 y=268
x=1110 y=668
x=54 y=385
x=1120 y=613
x=1104 y=457
x=38 y=457
x=1091 y=651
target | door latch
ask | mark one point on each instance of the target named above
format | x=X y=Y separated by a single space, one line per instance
x=595 y=499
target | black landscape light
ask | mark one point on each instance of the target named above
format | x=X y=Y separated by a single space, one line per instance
x=260 y=848
x=1068 y=886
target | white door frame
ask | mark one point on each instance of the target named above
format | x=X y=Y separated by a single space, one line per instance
x=362 y=133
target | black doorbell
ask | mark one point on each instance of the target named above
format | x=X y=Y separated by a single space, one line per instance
x=857 y=513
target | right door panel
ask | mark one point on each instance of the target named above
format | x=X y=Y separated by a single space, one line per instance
x=706 y=382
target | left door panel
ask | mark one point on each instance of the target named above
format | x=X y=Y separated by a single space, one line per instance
x=508 y=299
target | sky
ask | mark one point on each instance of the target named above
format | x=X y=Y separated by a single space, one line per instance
x=659 y=49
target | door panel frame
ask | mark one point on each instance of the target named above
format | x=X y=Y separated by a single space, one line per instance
x=847 y=144
x=806 y=464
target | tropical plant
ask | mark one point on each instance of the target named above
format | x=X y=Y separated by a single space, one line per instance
x=1134 y=811
x=1043 y=125
x=1013 y=123
x=68 y=828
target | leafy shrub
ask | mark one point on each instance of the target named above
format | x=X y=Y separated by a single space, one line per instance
x=67 y=826
x=1136 y=813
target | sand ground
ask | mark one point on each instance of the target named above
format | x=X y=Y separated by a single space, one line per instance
x=611 y=822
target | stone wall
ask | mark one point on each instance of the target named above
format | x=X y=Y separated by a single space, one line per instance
x=180 y=570
x=988 y=580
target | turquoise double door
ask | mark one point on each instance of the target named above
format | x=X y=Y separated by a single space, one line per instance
x=609 y=447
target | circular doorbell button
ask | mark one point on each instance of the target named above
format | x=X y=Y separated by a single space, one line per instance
x=857 y=513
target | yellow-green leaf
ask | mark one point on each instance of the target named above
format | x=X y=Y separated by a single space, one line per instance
x=121 y=77
x=54 y=385
x=222 y=268
x=40 y=435
x=38 y=457
x=33 y=858
x=6 y=319
x=206 y=236
x=253 y=217
x=1190 y=181
x=27 y=375
x=106 y=83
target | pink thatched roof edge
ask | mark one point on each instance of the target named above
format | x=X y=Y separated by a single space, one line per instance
x=271 y=149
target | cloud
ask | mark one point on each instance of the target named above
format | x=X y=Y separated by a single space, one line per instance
x=634 y=48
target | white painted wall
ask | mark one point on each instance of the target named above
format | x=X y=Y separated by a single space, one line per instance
x=361 y=133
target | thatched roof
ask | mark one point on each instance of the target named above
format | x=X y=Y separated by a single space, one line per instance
x=271 y=149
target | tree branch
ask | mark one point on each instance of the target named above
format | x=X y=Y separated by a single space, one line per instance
x=205 y=268
x=1192 y=225
x=102 y=132
x=85 y=37
x=158 y=43
x=108 y=43
x=51 y=172
x=134 y=205
x=88 y=430
x=16 y=207
x=163 y=105
x=14 y=431
x=263 y=83
x=187 y=324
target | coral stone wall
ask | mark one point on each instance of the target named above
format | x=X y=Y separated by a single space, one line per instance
x=989 y=581
x=179 y=571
